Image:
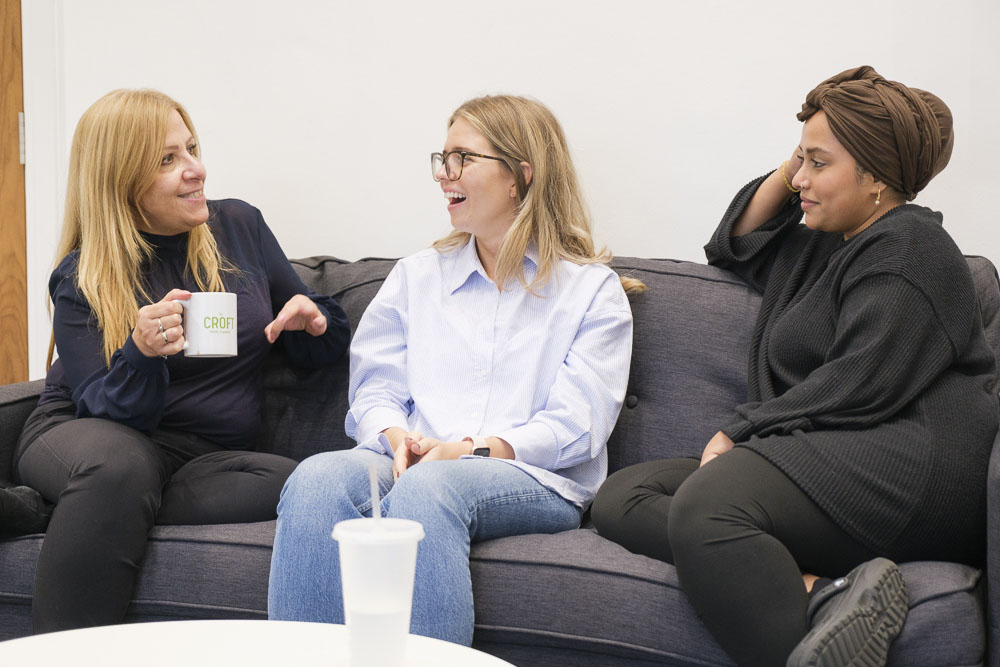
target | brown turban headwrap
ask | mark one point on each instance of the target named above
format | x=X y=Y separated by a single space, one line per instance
x=902 y=136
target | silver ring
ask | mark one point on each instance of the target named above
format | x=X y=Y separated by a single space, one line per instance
x=159 y=325
x=164 y=334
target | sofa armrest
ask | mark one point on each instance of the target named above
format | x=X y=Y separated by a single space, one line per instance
x=16 y=403
x=993 y=557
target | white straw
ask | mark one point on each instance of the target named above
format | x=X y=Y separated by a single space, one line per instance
x=373 y=481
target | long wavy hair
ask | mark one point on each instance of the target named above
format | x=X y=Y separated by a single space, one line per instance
x=551 y=212
x=114 y=160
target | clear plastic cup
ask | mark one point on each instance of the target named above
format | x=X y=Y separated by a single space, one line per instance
x=378 y=558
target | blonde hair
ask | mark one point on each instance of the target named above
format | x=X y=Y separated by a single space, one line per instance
x=551 y=213
x=114 y=160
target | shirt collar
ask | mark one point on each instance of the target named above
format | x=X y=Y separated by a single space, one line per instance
x=467 y=262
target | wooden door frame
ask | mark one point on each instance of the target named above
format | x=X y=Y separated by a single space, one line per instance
x=13 y=242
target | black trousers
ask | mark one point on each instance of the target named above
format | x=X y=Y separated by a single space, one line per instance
x=740 y=534
x=110 y=483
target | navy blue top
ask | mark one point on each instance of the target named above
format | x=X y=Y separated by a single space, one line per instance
x=216 y=398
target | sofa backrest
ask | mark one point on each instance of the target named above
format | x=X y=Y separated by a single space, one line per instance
x=691 y=340
x=304 y=411
x=691 y=336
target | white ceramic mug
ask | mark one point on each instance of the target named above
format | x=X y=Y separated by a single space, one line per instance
x=210 y=324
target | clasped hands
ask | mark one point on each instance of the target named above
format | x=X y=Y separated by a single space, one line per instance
x=411 y=447
x=158 y=330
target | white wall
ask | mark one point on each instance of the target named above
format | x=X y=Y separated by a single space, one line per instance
x=323 y=114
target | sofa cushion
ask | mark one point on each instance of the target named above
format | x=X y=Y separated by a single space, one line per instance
x=643 y=615
x=945 y=625
x=190 y=572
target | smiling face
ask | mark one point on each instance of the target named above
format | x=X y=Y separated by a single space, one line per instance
x=176 y=203
x=834 y=197
x=483 y=202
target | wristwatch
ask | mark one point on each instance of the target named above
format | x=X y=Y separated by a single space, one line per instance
x=479 y=446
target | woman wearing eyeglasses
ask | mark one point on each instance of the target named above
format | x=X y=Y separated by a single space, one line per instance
x=486 y=377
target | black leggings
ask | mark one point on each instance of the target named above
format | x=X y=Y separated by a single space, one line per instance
x=110 y=483
x=740 y=534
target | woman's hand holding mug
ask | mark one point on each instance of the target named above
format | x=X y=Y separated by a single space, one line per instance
x=158 y=331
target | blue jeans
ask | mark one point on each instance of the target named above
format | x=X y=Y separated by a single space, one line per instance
x=457 y=502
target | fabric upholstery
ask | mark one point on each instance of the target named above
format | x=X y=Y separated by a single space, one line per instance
x=16 y=403
x=984 y=275
x=573 y=598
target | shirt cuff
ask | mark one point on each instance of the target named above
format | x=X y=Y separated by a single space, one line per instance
x=375 y=421
x=533 y=443
x=386 y=445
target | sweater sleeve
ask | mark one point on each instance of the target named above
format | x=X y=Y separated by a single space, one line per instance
x=301 y=348
x=888 y=347
x=750 y=256
x=131 y=391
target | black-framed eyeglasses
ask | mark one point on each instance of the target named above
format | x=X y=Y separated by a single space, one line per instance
x=453 y=162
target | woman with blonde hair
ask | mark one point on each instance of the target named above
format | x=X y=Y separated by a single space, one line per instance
x=127 y=432
x=486 y=377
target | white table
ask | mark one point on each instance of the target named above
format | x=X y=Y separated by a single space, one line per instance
x=218 y=644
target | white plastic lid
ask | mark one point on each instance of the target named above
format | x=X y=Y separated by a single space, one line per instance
x=378 y=531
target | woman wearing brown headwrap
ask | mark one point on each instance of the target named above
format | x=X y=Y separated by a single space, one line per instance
x=870 y=415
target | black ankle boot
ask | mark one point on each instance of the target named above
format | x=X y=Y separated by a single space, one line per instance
x=855 y=619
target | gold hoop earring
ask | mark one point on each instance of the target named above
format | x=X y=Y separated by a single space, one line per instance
x=878 y=197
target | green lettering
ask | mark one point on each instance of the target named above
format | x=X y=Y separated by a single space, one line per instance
x=219 y=322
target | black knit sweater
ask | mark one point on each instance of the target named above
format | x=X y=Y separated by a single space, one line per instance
x=869 y=377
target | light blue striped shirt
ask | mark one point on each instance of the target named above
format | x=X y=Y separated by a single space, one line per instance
x=441 y=351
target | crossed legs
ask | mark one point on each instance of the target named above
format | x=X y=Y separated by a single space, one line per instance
x=740 y=534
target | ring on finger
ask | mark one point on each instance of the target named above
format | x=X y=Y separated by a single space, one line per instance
x=159 y=325
x=164 y=334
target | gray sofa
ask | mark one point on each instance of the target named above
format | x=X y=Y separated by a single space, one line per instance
x=572 y=598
